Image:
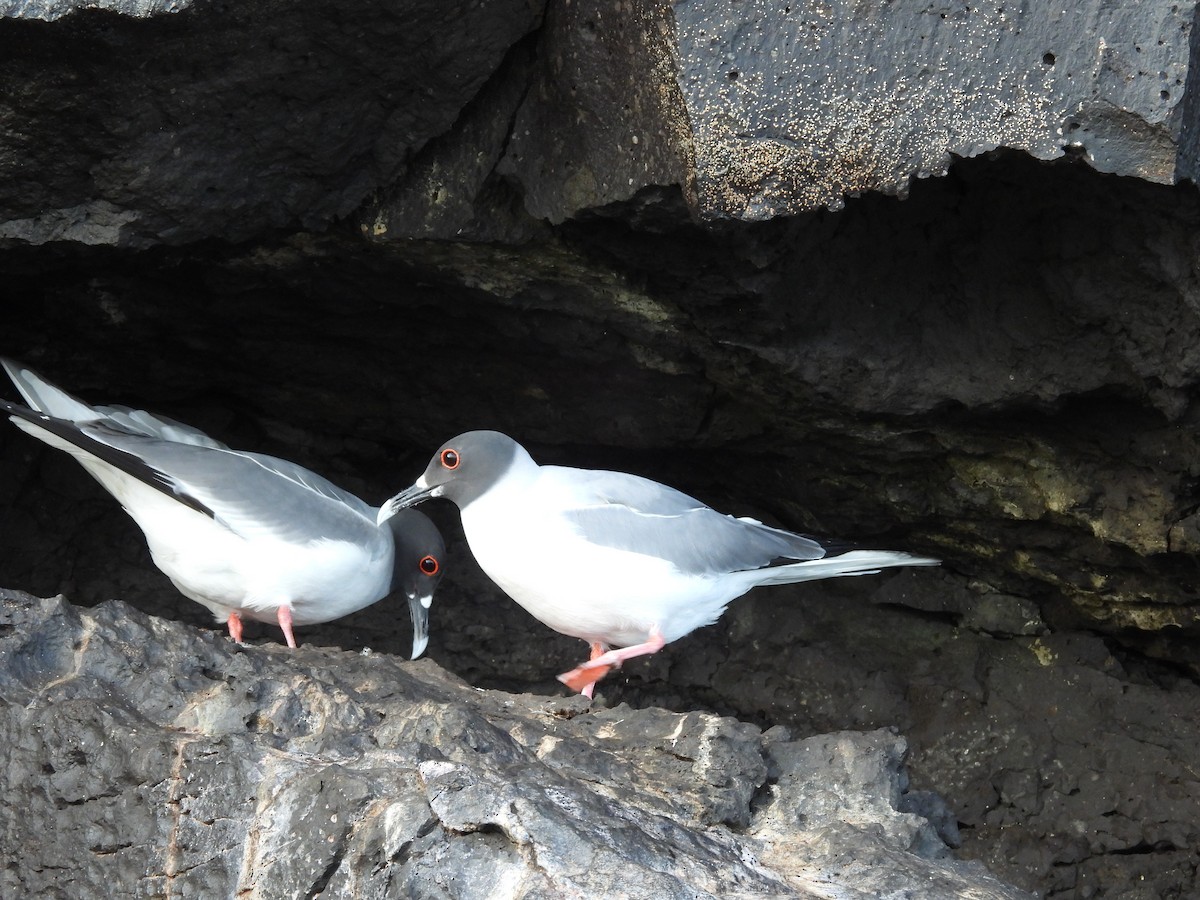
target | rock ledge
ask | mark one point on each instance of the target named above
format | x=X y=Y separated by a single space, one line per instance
x=145 y=757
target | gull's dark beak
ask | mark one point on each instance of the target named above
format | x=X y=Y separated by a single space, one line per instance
x=403 y=500
x=418 y=608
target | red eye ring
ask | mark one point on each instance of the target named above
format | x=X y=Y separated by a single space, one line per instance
x=429 y=565
x=450 y=459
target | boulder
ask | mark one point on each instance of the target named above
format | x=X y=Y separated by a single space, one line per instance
x=144 y=757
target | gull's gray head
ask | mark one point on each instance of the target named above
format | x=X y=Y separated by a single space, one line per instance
x=420 y=557
x=463 y=469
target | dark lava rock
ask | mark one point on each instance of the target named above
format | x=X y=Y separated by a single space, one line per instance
x=760 y=109
x=803 y=104
x=145 y=758
x=226 y=119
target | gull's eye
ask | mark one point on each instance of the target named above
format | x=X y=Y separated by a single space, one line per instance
x=450 y=459
x=429 y=565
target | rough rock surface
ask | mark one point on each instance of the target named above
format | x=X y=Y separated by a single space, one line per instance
x=805 y=104
x=49 y=10
x=228 y=119
x=144 y=758
x=757 y=110
x=760 y=109
x=342 y=236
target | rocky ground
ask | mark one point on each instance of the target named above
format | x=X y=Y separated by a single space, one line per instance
x=144 y=758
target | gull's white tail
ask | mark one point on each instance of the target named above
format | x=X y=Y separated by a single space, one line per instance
x=854 y=562
x=44 y=397
x=47 y=398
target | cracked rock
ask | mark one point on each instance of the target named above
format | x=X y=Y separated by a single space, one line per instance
x=143 y=756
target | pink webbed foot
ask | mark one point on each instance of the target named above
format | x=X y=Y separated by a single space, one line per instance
x=598 y=649
x=234 y=622
x=583 y=678
x=284 y=615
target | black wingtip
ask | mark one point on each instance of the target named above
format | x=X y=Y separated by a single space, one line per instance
x=127 y=462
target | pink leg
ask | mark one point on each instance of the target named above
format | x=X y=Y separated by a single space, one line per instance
x=598 y=649
x=591 y=672
x=284 y=614
x=235 y=626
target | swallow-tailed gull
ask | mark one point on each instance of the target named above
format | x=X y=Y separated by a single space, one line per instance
x=247 y=535
x=625 y=563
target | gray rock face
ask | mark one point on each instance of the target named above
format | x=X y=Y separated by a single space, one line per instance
x=798 y=105
x=242 y=119
x=49 y=10
x=605 y=115
x=760 y=109
x=143 y=758
x=227 y=120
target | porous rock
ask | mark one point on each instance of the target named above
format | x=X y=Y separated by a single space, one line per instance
x=206 y=119
x=144 y=757
x=761 y=109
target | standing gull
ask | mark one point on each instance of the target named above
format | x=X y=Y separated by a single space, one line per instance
x=247 y=535
x=614 y=559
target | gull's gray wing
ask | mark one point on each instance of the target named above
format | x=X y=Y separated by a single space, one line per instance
x=249 y=493
x=627 y=512
x=141 y=422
